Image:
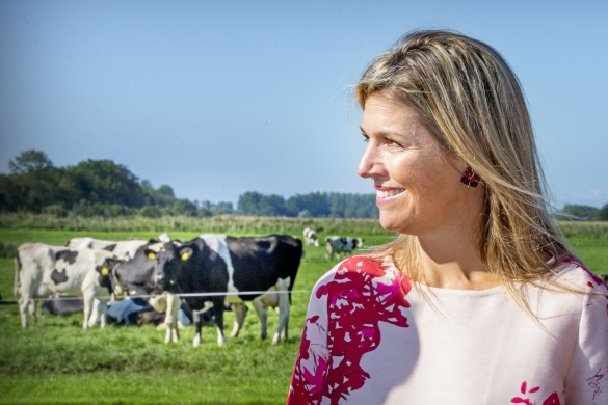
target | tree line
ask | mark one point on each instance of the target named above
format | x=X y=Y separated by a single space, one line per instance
x=574 y=212
x=104 y=188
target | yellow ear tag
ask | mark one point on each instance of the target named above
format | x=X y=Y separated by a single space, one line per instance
x=105 y=271
x=185 y=256
x=152 y=256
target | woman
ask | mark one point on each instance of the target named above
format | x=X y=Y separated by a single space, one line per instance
x=478 y=300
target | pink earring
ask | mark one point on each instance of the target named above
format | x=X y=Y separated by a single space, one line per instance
x=470 y=178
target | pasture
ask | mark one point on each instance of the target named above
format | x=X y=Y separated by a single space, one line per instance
x=56 y=362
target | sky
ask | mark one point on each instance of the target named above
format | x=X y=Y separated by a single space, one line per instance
x=216 y=98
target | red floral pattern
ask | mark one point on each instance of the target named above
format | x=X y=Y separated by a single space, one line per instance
x=363 y=293
x=526 y=395
x=358 y=298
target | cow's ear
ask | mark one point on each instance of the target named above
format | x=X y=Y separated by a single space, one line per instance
x=185 y=254
x=103 y=269
x=150 y=254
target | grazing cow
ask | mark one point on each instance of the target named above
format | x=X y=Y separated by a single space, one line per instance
x=44 y=270
x=338 y=245
x=235 y=269
x=310 y=236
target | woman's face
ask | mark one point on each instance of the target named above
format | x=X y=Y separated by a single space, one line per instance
x=418 y=188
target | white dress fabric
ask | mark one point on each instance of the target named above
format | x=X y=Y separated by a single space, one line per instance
x=370 y=338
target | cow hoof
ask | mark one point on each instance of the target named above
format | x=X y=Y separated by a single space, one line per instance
x=196 y=342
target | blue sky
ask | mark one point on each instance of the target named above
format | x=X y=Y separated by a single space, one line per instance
x=215 y=98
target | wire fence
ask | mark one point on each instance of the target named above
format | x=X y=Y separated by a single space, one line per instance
x=148 y=296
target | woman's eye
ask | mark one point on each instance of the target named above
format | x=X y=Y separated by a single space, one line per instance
x=394 y=144
x=365 y=138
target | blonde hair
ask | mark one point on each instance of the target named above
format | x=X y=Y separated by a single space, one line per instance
x=472 y=102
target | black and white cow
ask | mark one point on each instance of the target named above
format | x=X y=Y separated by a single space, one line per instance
x=338 y=245
x=233 y=269
x=310 y=236
x=45 y=270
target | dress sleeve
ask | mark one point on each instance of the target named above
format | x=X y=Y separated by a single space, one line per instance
x=308 y=378
x=587 y=380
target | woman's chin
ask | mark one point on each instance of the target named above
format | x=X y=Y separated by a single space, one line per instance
x=391 y=225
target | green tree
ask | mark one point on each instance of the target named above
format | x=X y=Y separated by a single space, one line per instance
x=103 y=181
x=28 y=161
x=580 y=212
x=249 y=203
x=221 y=207
x=272 y=205
x=317 y=204
x=184 y=207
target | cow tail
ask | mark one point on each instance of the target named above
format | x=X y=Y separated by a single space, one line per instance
x=17 y=286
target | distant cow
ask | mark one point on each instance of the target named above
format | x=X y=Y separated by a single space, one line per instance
x=338 y=245
x=234 y=269
x=44 y=270
x=310 y=236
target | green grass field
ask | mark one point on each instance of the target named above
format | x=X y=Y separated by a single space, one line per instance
x=56 y=361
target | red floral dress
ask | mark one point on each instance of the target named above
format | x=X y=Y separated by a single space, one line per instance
x=370 y=338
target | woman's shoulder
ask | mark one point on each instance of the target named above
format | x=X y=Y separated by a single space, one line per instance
x=571 y=273
x=364 y=272
x=372 y=265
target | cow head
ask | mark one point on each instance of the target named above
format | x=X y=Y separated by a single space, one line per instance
x=139 y=275
x=172 y=259
x=105 y=271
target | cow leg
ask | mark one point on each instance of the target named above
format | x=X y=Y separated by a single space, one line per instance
x=88 y=298
x=94 y=318
x=172 y=331
x=102 y=309
x=281 y=333
x=240 y=312
x=26 y=306
x=198 y=326
x=218 y=308
x=260 y=308
x=33 y=306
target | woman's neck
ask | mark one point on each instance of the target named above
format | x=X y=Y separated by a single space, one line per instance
x=452 y=264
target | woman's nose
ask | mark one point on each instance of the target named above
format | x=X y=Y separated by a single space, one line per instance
x=370 y=163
